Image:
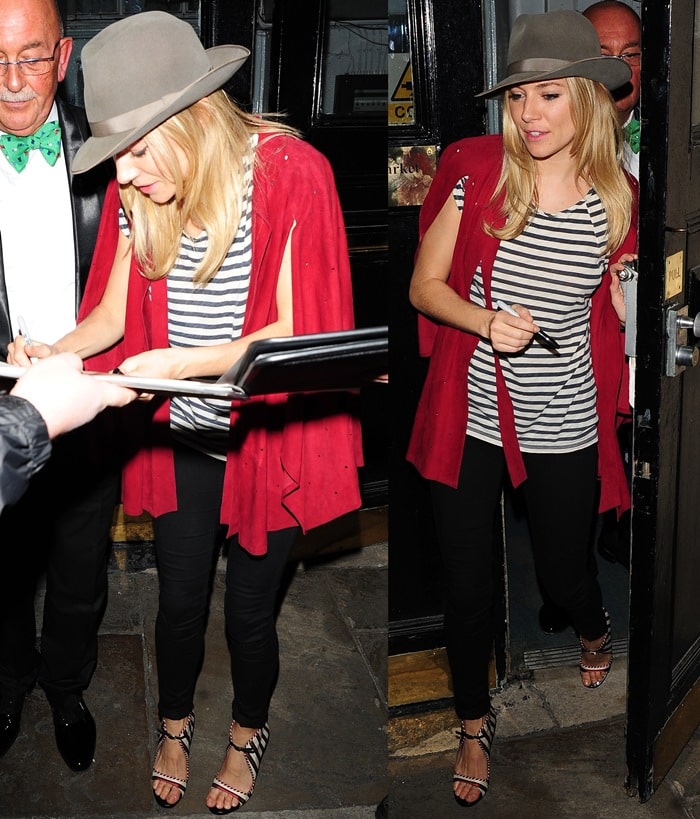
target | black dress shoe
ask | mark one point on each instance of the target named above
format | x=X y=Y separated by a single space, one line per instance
x=552 y=619
x=382 y=811
x=75 y=732
x=10 y=717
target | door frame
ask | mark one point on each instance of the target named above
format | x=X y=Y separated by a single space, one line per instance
x=444 y=87
x=663 y=690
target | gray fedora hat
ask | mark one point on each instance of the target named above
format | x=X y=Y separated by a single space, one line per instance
x=140 y=71
x=557 y=44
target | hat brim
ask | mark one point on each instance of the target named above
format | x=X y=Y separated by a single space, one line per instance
x=610 y=71
x=225 y=61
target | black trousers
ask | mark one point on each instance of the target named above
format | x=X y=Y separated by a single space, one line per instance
x=187 y=547
x=61 y=526
x=560 y=496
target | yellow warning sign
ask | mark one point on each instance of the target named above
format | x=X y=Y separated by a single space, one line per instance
x=401 y=99
x=404 y=88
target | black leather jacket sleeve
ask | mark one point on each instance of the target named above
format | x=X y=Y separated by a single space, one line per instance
x=24 y=446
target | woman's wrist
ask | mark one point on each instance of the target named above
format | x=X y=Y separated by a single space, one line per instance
x=489 y=316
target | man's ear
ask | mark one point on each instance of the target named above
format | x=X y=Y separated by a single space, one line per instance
x=65 y=49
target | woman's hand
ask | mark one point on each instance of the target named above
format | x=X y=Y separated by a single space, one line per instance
x=616 y=292
x=167 y=362
x=511 y=334
x=23 y=354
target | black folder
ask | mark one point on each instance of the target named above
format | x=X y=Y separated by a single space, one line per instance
x=317 y=362
x=311 y=363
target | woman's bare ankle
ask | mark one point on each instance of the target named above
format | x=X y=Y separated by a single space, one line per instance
x=242 y=735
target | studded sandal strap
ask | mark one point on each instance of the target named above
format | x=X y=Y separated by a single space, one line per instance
x=254 y=749
x=464 y=735
x=589 y=655
x=181 y=783
x=252 y=752
x=483 y=784
x=175 y=737
x=484 y=736
x=184 y=738
x=242 y=796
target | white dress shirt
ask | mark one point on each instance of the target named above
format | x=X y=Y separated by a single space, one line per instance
x=36 y=230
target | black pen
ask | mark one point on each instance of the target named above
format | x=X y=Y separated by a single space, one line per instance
x=540 y=335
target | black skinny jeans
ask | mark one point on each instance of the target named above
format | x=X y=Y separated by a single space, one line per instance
x=187 y=547
x=560 y=496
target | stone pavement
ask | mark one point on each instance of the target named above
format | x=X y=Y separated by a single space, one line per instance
x=559 y=753
x=559 y=749
x=327 y=752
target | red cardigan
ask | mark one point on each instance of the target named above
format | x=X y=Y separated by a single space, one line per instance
x=437 y=440
x=292 y=459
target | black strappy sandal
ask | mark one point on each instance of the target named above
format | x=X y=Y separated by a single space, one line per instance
x=484 y=737
x=589 y=656
x=185 y=740
x=253 y=752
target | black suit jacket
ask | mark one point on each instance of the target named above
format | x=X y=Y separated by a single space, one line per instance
x=87 y=192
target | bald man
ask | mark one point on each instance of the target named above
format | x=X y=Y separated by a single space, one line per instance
x=61 y=525
x=620 y=33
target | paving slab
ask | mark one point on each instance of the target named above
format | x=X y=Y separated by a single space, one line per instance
x=327 y=755
x=559 y=752
x=562 y=774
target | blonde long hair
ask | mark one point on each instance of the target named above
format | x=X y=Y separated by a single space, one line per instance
x=214 y=136
x=597 y=149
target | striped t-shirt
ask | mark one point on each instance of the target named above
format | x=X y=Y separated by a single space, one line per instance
x=200 y=316
x=552 y=268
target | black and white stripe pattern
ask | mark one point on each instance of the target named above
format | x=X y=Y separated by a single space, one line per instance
x=552 y=268
x=253 y=752
x=185 y=739
x=200 y=316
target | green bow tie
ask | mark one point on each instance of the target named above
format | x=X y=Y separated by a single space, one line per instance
x=47 y=140
x=632 y=134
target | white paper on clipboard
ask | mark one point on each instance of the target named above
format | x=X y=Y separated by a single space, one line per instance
x=166 y=386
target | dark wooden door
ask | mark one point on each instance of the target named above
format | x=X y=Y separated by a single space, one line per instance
x=664 y=637
x=441 y=43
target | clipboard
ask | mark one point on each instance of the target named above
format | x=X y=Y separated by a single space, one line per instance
x=320 y=362
x=317 y=362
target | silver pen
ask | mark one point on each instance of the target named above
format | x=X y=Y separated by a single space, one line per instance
x=24 y=330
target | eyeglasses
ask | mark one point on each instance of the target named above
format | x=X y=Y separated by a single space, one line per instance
x=630 y=57
x=33 y=67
